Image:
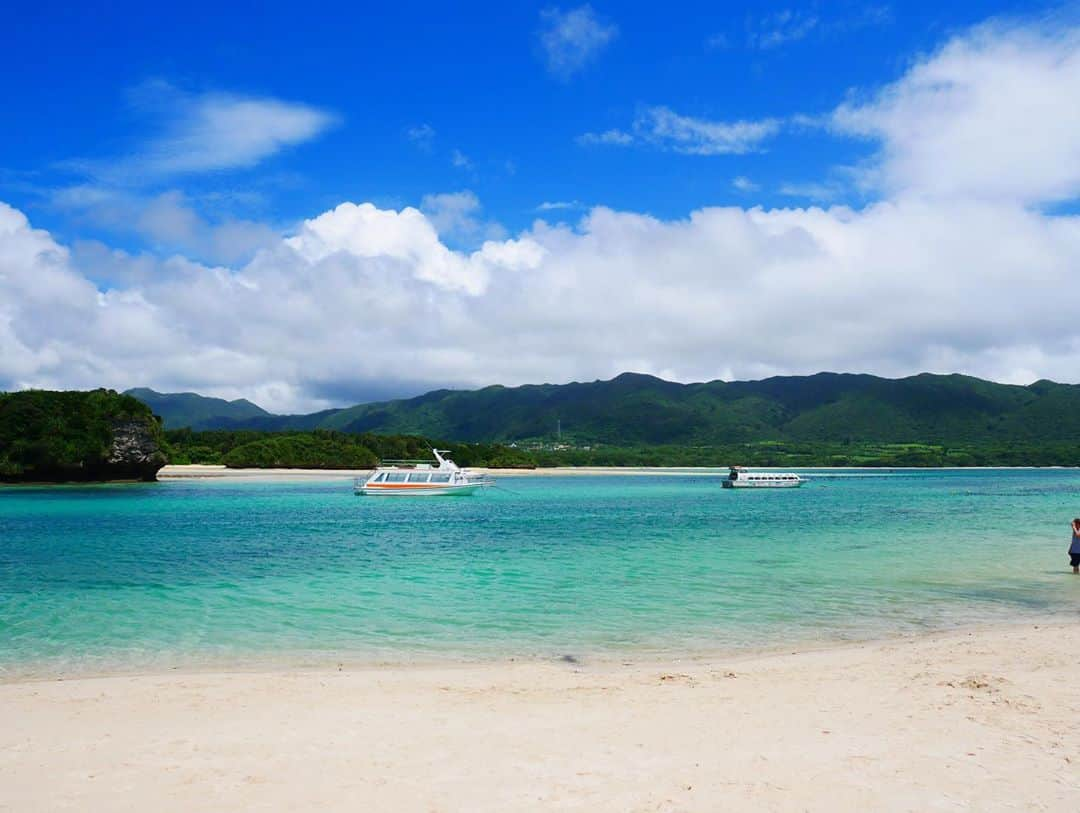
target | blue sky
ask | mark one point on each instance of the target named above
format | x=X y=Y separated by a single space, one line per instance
x=477 y=79
x=171 y=149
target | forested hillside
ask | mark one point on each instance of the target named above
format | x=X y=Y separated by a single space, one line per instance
x=636 y=410
x=77 y=436
x=189 y=409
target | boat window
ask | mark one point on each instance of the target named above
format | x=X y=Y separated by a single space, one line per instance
x=379 y=477
x=440 y=478
x=418 y=477
x=395 y=477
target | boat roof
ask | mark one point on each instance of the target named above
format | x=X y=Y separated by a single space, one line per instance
x=443 y=463
x=768 y=473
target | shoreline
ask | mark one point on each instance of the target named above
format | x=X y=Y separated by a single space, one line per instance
x=290 y=662
x=206 y=471
x=979 y=718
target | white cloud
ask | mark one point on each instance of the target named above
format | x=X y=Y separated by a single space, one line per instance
x=460 y=160
x=452 y=212
x=616 y=138
x=958 y=273
x=781 y=28
x=992 y=114
x=555 y=205
x=744 y=184
x=193 y=133
x=570 y=39
x=405 y=239
x=819 y=192
x=208 y=132
x=456 y=215
x=665 y=129
x=422 y=135
x=792 y=25
x=887 y=289
x=167 y=221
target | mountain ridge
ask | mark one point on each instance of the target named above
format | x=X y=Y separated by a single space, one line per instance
x=191 y=408
x=639 y=409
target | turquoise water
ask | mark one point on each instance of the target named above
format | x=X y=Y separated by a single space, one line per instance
x=174 y=572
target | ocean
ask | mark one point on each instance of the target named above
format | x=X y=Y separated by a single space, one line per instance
x=182 y=573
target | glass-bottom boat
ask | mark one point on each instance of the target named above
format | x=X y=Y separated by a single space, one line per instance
x=410 y=478
x=739 y=477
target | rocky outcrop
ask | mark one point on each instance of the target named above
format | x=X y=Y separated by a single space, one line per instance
x=95 y=436
x=135 y=453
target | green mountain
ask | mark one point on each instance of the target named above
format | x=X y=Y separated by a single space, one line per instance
x=180 y=409
x=641 y=410
x=638 y=410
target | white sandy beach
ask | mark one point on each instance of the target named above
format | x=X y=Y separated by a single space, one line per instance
x=987 y=719
x=199 y=471
x=202 y=470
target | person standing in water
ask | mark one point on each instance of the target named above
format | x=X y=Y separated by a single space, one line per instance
x=1074 y=548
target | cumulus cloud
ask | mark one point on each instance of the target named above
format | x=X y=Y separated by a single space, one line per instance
x=953 y=274
x=361 y=294
x=665 y=129
x=744 y=184
x=992 y=114
x=570 y=39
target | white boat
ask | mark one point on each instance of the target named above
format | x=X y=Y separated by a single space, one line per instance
x=403 y=478
x=741 y=478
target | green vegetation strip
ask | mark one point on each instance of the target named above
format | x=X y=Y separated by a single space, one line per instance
x=330 y=450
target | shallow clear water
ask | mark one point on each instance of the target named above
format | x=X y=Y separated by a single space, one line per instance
x=174 y=572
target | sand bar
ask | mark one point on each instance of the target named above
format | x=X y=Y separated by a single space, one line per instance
x=987 y=719
x=205 y=471
x=200 y=471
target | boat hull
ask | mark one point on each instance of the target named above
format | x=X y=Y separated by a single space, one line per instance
x=763 y=484
x=418 y=490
